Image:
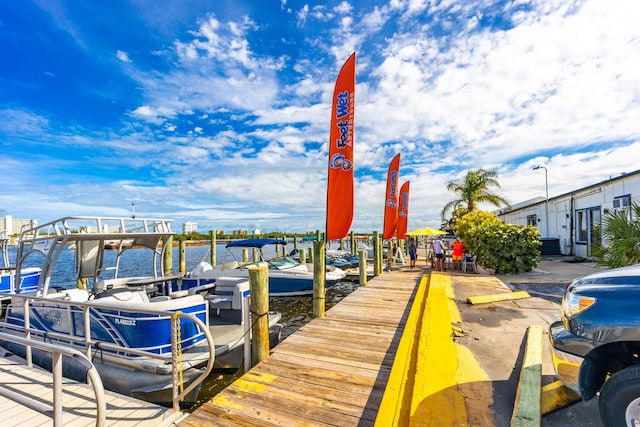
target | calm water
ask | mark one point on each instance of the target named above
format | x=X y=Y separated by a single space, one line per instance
x=139 y=262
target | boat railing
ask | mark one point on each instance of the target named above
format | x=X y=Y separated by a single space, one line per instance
x=179 y=392
x=87 y=226
x=4 y=248
x=57 y=352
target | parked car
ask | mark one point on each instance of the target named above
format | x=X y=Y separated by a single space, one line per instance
x=596 y=345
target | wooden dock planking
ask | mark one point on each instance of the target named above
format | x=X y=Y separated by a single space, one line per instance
x=78 y=406
x=332 y=371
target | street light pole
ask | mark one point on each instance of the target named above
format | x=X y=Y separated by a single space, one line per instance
x=546 y=200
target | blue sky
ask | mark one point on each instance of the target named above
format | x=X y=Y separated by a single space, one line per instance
x=217 y=112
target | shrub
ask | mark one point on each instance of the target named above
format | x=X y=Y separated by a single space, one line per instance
x=620 y=239
x=507 y=248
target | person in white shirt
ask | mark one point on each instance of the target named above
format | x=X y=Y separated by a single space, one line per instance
x=438 y=250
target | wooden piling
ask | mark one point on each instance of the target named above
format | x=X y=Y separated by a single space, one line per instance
x=362 y=266
x=245 y=255
x=167 y=258
x=182 y=256
x=352 y=243
x=303 y=256
x=259 y=288
x=377 y=254
x=319 y=268
x=212 y=247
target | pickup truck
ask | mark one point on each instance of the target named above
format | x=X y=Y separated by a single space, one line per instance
x=596 y=344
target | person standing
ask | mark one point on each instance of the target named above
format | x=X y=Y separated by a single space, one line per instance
x=458 y=253
x=413 y=252
x=438 y=251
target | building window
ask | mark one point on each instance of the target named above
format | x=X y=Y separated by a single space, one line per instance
x=532 y=220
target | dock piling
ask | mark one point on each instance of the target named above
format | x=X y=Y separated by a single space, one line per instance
x=259 y=288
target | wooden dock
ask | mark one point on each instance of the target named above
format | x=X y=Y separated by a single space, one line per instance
x=331 y=372
x=79 y=408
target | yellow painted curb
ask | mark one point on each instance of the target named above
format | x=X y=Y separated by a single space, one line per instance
x=498 y=297
x=555 y=396
x=437 y=401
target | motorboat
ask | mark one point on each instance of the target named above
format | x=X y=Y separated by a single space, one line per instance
x=28 y=278
x=287 y=276
x=342 y=259
x=143 y=330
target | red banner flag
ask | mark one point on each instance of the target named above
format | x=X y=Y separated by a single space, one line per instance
x=340 y=175
x=403 y=211
x=391 y=199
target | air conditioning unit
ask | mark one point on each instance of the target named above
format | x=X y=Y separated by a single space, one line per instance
x=623 y=202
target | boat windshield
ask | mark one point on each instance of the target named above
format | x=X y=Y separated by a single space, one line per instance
x=282 y=263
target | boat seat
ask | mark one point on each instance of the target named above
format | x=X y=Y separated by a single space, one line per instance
x=233 y=288
x=230 y=265
x=219 y=302
x=122 y=295
x=201 y=288
x=102 y=285
x=80 y=295
x=179 y=294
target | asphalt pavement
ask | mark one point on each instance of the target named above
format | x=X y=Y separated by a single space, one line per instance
x=496 y=332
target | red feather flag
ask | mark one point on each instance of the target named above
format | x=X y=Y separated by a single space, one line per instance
x=403 y=211
x=340 y=175
x=391 y=199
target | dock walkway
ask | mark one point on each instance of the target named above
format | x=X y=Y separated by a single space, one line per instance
x=332 y=371
x=79 y=408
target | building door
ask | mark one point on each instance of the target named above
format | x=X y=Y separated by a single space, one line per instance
x=588 y=230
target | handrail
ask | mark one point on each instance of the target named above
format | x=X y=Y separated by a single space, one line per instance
x=89 y=343
x=58 y=351
x=85 y=226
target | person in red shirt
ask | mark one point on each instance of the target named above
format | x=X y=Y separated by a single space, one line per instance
x=457 y=254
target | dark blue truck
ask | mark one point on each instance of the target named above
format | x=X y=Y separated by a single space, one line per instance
x=596 y=344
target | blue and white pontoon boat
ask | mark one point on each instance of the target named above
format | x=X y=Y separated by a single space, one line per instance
x=141 y=332
x=28 y=278
x=287 y=276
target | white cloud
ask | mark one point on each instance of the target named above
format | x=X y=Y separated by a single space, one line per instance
x=122 y=56
x=237 y=131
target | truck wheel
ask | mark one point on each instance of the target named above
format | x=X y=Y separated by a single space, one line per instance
x=620 y=398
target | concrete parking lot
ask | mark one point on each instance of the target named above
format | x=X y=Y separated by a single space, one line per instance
x=495 y=332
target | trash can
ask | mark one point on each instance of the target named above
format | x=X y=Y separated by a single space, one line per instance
x=550 y=246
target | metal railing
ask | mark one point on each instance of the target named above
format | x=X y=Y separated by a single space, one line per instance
x=57 y=352
x=90 y=344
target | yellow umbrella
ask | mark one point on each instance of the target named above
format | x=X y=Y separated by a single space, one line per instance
x=425 y=231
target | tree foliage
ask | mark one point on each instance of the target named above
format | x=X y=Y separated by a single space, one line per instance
x=620 y=239
x=507 y=248
x=473 y=189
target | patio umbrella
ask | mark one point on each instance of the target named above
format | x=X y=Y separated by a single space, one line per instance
x=425 y=231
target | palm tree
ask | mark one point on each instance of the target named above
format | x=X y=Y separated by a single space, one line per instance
x=621 y=239
x=472 y=190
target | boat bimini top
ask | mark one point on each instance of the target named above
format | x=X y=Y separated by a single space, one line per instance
x=91 y=235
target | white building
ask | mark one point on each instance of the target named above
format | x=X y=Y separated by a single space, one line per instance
x=567 y=223
x=189 y=227
x=13 y=226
